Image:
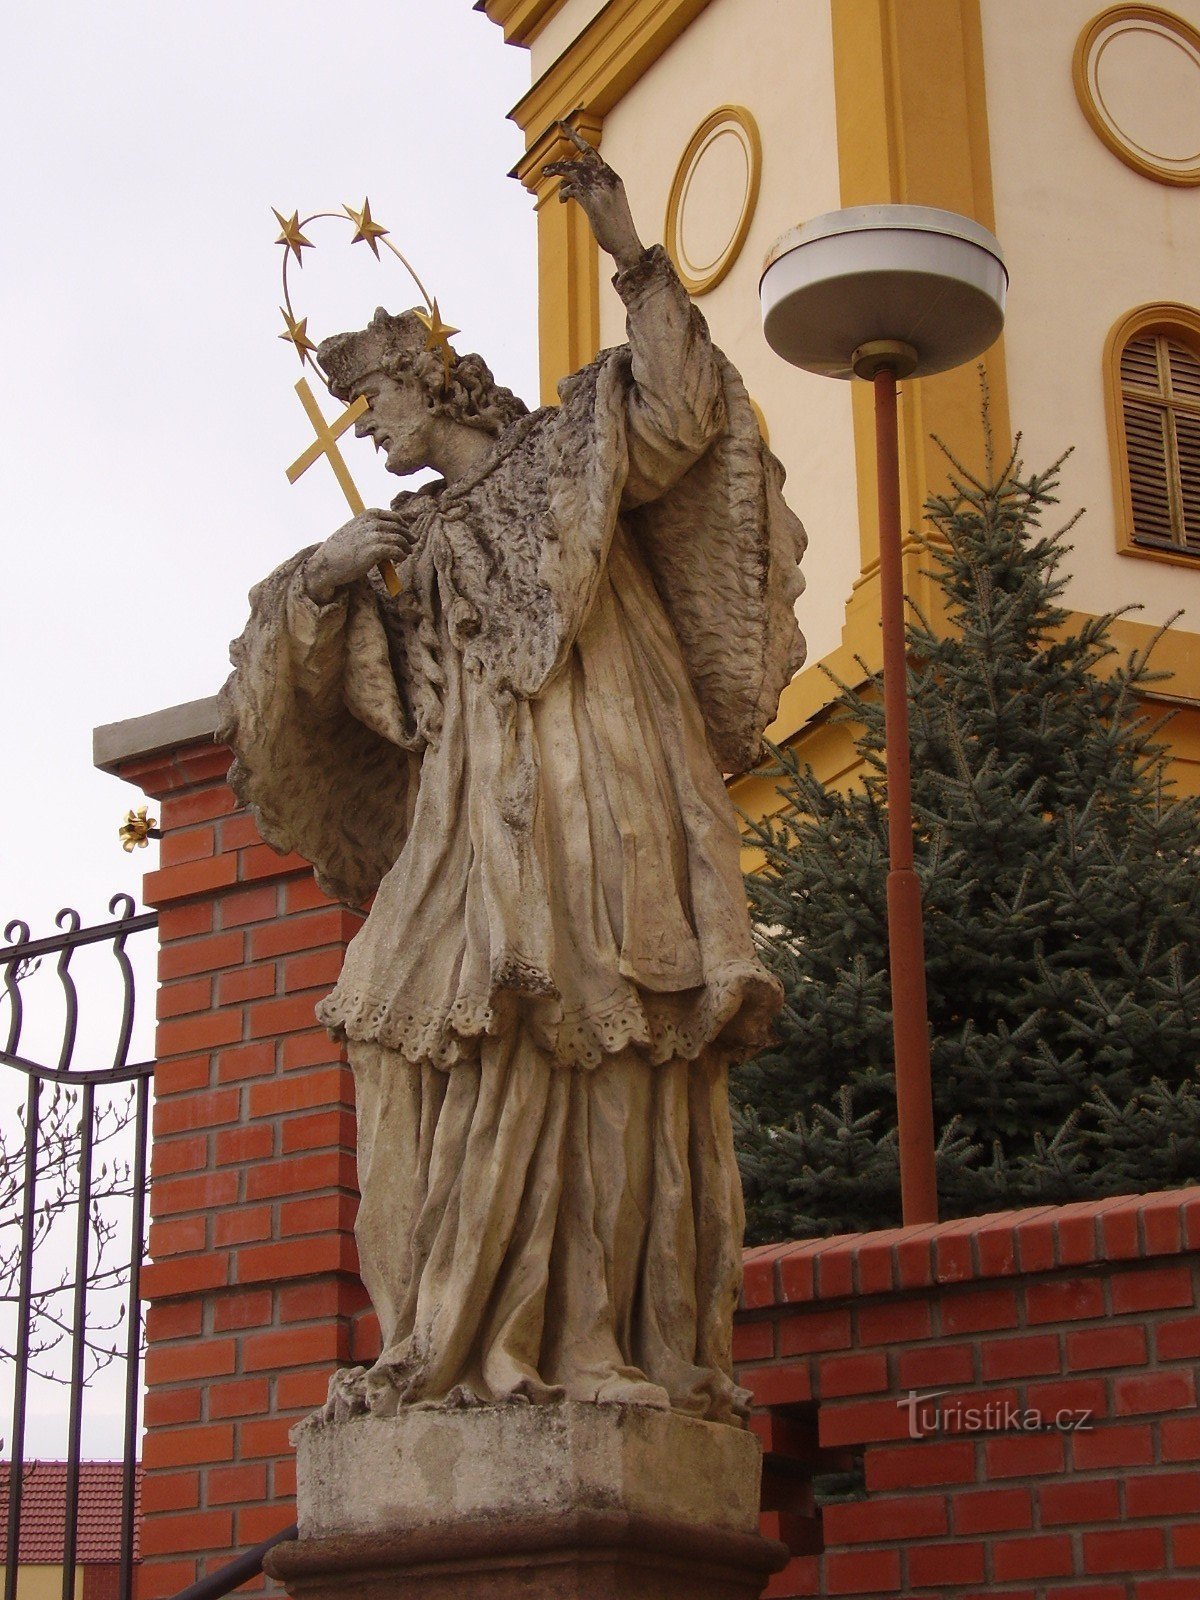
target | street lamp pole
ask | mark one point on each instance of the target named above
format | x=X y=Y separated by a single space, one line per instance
x=883 y=293
x=906 y=934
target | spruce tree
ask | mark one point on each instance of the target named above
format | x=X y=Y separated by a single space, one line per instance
x=1062 y=910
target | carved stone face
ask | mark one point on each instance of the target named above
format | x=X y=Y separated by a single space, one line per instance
x=399 y=420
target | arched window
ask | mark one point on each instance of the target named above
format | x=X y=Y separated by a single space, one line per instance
x=1154 y=414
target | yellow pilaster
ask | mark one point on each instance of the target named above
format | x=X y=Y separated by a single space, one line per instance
x=911 y=109
x=912 y=130
x=568 y=264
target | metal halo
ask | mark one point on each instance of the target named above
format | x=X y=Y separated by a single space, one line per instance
x=342 y=216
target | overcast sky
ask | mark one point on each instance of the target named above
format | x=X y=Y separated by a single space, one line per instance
x=147 y=410
x=146 y=404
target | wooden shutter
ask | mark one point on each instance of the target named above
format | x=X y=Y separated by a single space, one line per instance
x=1160 y=397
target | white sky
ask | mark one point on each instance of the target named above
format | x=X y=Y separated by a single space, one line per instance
x=146 y=405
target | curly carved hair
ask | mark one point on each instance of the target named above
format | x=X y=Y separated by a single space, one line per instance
x=472 y=395
x=395 y=345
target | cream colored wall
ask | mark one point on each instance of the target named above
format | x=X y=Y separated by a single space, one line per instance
x=1087 y=239
x=559 y=32
x=775 y=57
x=43 y=1582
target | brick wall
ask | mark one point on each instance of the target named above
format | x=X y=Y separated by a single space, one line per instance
x=254 y=1297
x=1083 y=1308
x=252 y=1287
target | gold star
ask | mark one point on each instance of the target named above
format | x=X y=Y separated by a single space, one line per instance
x=366 y=228
x=291 y=238
x=439 y=333
x=297 y=333
x=437 y=337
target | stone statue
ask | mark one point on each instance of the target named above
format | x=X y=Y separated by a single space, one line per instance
x=521 y=757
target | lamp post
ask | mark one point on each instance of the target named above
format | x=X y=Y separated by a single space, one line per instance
x=883 y=293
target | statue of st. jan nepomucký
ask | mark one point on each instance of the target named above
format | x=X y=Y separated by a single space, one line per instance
x=521 y=757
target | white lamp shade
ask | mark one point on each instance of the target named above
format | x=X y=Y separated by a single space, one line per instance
x=927 y=278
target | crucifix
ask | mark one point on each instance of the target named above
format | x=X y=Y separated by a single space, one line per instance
x=326 y=444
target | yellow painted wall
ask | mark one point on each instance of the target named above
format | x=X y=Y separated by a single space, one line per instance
x=1087 y=239
x=967 y=104
x=559 y=31
x=35 y=1582
x=733 y=53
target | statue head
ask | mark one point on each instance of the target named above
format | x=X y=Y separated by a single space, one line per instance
x=394 y=346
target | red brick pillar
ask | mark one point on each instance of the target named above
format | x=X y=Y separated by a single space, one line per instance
x=252 y=1287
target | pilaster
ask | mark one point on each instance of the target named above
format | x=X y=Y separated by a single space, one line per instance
x=568 y=317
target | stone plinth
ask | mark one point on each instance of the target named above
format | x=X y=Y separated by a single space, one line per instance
x=434 y=1468
x=563 y=1502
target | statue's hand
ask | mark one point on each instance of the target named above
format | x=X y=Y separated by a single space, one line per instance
x=598 y=189
x=351 y=552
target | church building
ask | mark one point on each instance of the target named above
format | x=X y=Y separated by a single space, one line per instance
x=1071 y=132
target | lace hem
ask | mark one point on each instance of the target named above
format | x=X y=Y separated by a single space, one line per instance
x=736 y=1006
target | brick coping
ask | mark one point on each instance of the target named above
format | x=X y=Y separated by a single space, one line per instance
x=999 y=1244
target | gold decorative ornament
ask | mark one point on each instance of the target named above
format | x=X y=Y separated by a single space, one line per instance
x=137 y=830
x=1121 y=58
x=725 y=156
x=296 y=334
x=439 y=333
x=292 y=236
x=325 y=444
x=438 y=336
x=366 y=229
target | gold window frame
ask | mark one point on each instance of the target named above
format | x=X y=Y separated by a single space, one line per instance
x=1174 y=321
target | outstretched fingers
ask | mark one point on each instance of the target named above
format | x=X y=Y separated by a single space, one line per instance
x=581 y=173
x=588 y=151
x=577 y=180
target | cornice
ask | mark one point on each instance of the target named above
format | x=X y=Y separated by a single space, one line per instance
x=611 y=53
x=522 y=20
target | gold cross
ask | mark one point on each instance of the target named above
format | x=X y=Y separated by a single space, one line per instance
x=325 y=444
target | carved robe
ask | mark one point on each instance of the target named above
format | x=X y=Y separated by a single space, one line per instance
x=521 y=757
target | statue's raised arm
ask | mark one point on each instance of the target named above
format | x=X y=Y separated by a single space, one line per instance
x=675 y=401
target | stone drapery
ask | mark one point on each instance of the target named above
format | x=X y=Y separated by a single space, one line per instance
x=520 y=757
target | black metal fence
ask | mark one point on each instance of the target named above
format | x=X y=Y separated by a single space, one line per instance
x=51 y=1175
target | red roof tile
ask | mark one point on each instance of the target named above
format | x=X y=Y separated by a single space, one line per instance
x=43 y=1511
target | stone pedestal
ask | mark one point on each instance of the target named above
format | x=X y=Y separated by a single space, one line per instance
x=563 y=1502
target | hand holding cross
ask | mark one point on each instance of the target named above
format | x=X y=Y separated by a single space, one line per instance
x=326 y=444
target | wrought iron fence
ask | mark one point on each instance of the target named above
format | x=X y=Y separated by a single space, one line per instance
x=53 y=1093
